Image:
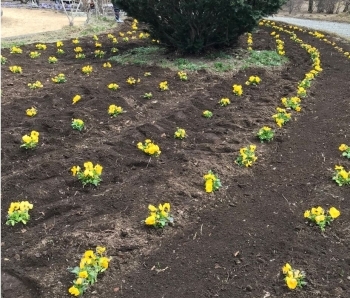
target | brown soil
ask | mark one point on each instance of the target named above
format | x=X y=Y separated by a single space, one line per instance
x=229 y=244
x=23 y=21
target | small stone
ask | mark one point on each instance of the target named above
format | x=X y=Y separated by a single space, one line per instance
x=249 y=288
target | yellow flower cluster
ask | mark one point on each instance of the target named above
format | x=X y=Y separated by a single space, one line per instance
x=78 y=50
x=90 y=175
x=99 y=53
x=16 y=69
x=114 y=50
x=301 y=92
x=149 y=148
x=341 y=176
x=147 y=74
x=87 y=69
x=30 y=141
x=224 y=102
x=293 y=278
x=95 y=38
x=211 y=181
x=237 y=90
x=35 y=85
x=253 y=80
x=134 y=24
x=282 y=117
x=113 y=86
x=182 y=75
x=91 y=264
x=126 y=39
x=280 y=47
x=34 y=54
x=132 y=81
x=265 y=134
x=249 y=41
x=60 y=78
x=180 y=133
x=40 y=46
x=75 y=41
x=163 y=86
x=31 y=112
x=292 y=102
x=107 y=65
x=114 y=110
x=321 y=217
x=345 y=149
x=52 y=59
x=18 y=212
x=59 y=44
x=16 y=50
x=159 y=217
x=246 y=156
x=78 y=124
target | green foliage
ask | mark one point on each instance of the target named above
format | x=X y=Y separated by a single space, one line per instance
x=264 y=58
x=194 y=26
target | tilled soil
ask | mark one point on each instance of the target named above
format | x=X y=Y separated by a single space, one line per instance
x=232 y=243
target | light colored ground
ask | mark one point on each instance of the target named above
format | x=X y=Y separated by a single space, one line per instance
x=23 y=21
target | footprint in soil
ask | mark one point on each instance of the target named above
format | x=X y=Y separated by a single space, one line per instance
x=19 y=287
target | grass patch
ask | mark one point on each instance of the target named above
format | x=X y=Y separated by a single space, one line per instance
x=264 y=58
x=139 y=56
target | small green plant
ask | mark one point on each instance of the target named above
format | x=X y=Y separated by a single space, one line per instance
x=293 y=278
x=207 y=114
x=90 y=175
x=114 y=110
x=265 y=134
x=346 y=150
x=60 y=78
x=3 y=59
x=148 y=95
x=34 y=54
x=292 y=103
x=341 y=176
x=52 y=59
x=80 y=56
x=30 y=141
x=305 y=83
x=282 y=117
x=91 y=265
x=301 y=92
x=222 y=67
x=321 y=217
x=99 y=53
x=159 y=217
x=211 y=182
x=18 y=212
x=114 y=50
x=246 y=156
x=180 y=133
x=78 y=124
x=265 y=58
x=60 y=51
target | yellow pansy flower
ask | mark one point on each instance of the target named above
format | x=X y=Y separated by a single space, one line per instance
x=104 y=262
x=83 y=274
x=76 y=98
x=344 y=174
x=152 y=208
x=333 y=212
x=307 y=214
x=74 y=291
x=286 y=268
x=100 y=249
x=343 y=147
x=291 y=282
x=98 y=169
x=150 y=220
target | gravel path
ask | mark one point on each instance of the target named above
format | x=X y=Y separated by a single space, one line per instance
x=340 y=29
